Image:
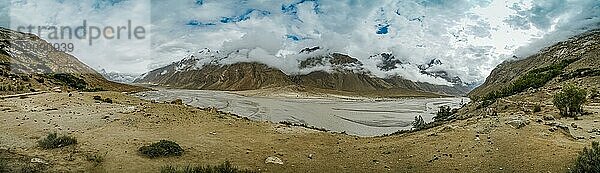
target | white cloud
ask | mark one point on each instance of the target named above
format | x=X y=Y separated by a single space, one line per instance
x=469 y=36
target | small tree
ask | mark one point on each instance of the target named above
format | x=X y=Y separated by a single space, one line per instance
x=588 y=160
x=443 y=114
x=419 y=122
x=570 y=100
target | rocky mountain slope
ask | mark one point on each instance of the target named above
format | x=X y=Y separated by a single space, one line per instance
x=28 y=63
x=576 y=60
x=344 y=73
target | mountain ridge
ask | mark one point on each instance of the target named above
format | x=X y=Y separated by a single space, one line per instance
x=345 y=74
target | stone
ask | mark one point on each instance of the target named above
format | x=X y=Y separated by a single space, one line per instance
x=517 y=123
x=273 y=160
x=539 y=120
x=549 y=117
x=553 y=129
x=310 y=156
x=38 y=160
x=573 y=125
x=177 y=102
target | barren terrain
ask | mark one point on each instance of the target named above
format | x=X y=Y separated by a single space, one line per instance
x=480 y=143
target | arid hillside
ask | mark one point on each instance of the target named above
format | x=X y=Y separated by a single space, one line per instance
x=29 y=64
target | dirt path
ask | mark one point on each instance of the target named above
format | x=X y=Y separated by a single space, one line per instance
x=119 y=129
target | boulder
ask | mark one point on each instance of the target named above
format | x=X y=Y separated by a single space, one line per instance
x=518 y=123
x=549 y=117
x=273 y=160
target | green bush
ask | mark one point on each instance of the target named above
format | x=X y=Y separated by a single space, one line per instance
x=537 y=108
x=96 y=158
x=54 y=141
x=570 y=100
x=594 y=93
x=163 y=148
x=3 y=165
x=443 y=114
x=418 y=123
x=222 y=168
x=588 y=160
x=71 y=80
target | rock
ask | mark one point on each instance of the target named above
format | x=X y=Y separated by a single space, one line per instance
x=549 y=117
x=310 y=156
x=573 y=125
x=517 y=123
x=38 y=160
x=553 y=129
x=273 y=160
x=447 y=128
x=539 y=120
x=177 y=102
x=579 y=137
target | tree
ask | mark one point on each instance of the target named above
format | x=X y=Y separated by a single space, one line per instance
x=588 y=160
x=443 y=114
x=419 y=122
x=570 y=100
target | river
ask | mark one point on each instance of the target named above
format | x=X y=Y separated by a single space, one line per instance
x=362 y=117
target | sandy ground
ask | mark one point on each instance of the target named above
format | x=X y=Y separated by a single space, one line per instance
x=478 y=144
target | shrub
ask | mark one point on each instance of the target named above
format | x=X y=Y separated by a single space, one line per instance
x=594 y=93
x=443 y=114
x=3 y=165
x=222 y=168
x=570 y=100
x=419 y=122
x=54 y=141
x=71 y=80
x=163 y=148
x=537 y=108
x=96 y=158
x=588 y=160
x=107 y=100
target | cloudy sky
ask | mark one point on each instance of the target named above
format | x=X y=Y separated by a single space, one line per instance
x=470 y=37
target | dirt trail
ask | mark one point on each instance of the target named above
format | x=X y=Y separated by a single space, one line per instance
x=479 y=144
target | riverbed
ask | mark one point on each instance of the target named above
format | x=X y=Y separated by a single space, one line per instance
x=355 y=116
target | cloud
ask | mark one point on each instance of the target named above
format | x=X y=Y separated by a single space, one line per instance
x=469 y=37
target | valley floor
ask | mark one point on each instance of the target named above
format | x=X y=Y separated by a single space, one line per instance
x=482 y=143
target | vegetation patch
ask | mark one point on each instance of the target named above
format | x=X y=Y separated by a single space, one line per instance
x=54 y=141
x=444 y=113
x=537 y=108
x=71 y=80
x=105 y=100
x=3 y=165
x=570 y=100
x=163 y=148
x=96 y=158
x=588 y=160
x=303 y=125
x=533 y=79
x=222 y=168
x=97 y=89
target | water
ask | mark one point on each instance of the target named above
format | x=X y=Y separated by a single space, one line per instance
x=362 y=117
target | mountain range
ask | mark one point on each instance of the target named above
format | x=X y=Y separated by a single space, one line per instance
x=342 y=73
